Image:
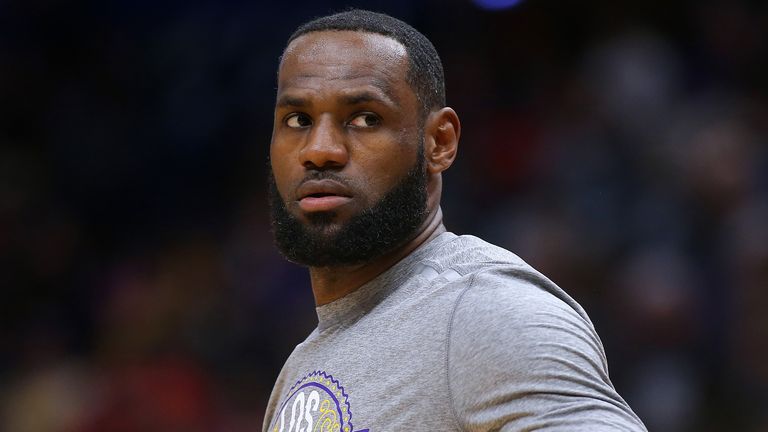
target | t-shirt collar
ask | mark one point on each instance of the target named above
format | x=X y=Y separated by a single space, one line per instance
x=377 y=289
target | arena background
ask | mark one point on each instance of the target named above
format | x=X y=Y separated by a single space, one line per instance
x=619 y=147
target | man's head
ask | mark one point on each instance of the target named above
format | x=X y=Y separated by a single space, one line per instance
x=360 y=138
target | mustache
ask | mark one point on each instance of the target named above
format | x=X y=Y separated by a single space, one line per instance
x=311 y=175
x=326 y=175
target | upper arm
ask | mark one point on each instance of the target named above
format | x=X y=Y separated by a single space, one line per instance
x=519 y=358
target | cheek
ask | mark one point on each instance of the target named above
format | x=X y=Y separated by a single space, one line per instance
x=281 y=175
x=381 y=174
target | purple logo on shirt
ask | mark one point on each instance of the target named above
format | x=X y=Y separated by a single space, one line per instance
x=316 y=403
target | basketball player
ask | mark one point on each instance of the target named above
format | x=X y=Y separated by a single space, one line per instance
x=419 y=329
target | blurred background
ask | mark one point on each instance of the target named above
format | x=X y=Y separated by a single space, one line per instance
x=619 y=147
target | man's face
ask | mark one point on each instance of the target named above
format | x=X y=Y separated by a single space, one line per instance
x=348 y=180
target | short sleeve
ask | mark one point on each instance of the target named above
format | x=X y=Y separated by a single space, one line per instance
x=521 y=359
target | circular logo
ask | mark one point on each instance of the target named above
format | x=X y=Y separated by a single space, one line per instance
x=316 y=403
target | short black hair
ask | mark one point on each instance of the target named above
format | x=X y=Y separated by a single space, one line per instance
x=425 y=72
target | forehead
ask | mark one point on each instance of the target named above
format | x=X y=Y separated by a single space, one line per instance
x=343 y=55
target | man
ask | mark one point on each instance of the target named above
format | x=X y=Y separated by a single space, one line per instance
x=419 y=329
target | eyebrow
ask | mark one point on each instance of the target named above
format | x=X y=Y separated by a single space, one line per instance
x=367 y=96
x=385 y=92
x=354 y=98
x=292 y=101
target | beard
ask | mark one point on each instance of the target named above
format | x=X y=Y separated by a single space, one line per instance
x=377 y=230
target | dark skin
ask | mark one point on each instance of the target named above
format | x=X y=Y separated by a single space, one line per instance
x=344 y=105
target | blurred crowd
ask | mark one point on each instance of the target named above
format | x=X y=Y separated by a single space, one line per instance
x=619 y=147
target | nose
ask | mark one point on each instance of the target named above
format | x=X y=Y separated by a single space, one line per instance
x=325 y=146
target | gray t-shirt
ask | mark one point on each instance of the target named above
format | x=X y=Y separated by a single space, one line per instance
x=459 y=336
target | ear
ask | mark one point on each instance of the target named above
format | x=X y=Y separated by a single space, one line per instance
x=442 y=130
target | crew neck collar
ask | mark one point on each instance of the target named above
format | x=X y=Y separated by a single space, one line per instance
x=377 y=289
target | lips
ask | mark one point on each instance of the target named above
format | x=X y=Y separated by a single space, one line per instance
x=322 y=195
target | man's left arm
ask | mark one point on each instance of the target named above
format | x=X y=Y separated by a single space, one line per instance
x=522 y=359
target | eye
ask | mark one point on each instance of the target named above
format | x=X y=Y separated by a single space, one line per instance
x=298 y=120
x=365 y=120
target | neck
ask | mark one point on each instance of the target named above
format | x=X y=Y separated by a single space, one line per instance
x=333 y=283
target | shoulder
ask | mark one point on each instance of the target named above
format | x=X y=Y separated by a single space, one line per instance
x=509 y=320
x=468 y=253
x=516 y=313
x=523 y=353
x=499 y=279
